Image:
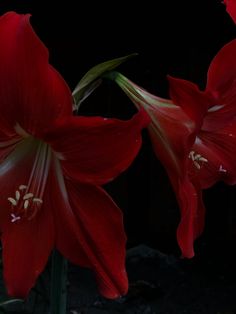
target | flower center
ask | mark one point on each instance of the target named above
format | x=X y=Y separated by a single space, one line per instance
x=28 y=198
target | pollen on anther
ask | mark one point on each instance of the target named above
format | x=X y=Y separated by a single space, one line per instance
x=27 y=196
x=26 y=204
x=12 y=201
x=17 y=195
x=37 y=200
x=22 y=187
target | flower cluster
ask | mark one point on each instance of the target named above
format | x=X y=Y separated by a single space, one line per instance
x=53 y=163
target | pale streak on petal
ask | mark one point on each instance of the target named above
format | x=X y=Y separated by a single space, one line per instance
x=215 y=108
x=59 y=156
x=19 y=130
x=10 y=142
x=19 y=153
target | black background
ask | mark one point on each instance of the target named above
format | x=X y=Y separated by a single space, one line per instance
x=171 y=37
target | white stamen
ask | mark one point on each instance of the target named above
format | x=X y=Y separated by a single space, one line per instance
x=12 y=201
x=196 y=158
x=17 y=195
x=26 y=204
x=22 y=187
x=37 y=200
x=191 y=155
x=203 y=159
x=221 y=169
x=27 y=196
x=197 y=165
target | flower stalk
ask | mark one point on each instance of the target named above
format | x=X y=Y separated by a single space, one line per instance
x=58 y=293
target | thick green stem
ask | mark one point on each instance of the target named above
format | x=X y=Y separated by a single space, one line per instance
x=58 y=284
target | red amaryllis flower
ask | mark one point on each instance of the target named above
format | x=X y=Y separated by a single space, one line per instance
x=193 y=135
x=51 y=166
x=231 y=8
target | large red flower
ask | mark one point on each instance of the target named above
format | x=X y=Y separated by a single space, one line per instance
x=194 y=136
x=51 y=166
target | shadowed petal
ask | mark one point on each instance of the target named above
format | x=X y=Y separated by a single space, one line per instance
x=32 y=93
x=187 y=96
x=26 y=246
x=96 y=222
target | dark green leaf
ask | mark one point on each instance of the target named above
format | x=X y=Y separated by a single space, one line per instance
x=92 y=79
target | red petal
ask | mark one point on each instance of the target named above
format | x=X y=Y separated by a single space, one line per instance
x=219 y=149
x=95 y=150
x=172 y=149
x=28 y=242
x=231 y=8
x=221 y=73
x=32 y=93
x=187 y=95
x=26 y=247
x=192 y=215
x=172 y=135
x=220 y=116
x=64 y=221
x=221 y=85
x=97 y=224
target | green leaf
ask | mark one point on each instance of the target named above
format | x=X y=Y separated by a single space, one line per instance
x=11 y=301
x=93 y=78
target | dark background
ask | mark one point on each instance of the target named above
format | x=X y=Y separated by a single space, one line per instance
x=179 y=38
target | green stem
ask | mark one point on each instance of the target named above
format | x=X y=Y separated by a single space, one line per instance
x=58 y=284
